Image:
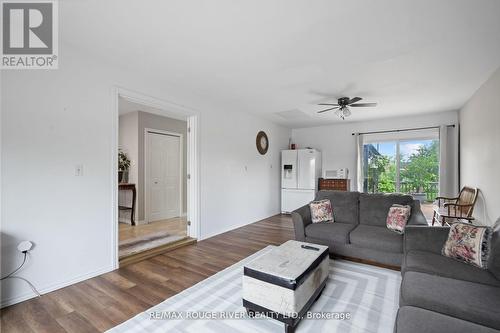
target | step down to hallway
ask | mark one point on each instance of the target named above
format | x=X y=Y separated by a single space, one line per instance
x=136 y=257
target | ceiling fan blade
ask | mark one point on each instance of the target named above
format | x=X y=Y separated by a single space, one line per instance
x=328 y=104
x=328 y=109
x=354 y=100
x=363 y=105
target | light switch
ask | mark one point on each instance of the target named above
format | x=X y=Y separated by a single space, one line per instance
x=79 y=170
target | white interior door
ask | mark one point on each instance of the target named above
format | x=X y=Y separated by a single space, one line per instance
x=163 y=176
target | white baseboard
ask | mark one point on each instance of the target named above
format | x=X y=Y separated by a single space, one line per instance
x=123 y=220
x=52 y=287
x=127 y=221
x=236 y=226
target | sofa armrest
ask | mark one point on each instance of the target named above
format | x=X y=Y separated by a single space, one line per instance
x=417 y=217
x=301 y=218
x=425 y=238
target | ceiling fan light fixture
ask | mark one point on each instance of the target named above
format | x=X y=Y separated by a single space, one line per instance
x=343 y=112
x=347 y=112
x=342 y=107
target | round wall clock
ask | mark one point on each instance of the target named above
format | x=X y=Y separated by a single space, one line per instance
x=262 y=142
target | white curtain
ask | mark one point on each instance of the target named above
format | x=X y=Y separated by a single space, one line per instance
x=448 y=160
x=359 y=162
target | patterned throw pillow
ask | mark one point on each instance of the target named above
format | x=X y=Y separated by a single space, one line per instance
x=321 y=211
x=468 y=243
x=398 y=217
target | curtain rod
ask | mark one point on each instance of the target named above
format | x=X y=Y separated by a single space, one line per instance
x=402 y=130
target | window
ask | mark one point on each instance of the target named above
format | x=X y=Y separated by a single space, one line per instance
x=404 y=162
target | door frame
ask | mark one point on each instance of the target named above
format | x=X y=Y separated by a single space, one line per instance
x=181 y=166
x=169 y=109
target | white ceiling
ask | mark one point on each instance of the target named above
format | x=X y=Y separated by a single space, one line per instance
x=280 y=58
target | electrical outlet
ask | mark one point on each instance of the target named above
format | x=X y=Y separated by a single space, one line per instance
x=79 y=170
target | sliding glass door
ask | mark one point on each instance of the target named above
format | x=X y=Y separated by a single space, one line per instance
x=380 y=167
x=419 y=168
x=405 y=165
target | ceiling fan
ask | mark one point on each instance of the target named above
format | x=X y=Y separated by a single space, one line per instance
x=343 y=105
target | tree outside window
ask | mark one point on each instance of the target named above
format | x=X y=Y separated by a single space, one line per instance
x=418 y=168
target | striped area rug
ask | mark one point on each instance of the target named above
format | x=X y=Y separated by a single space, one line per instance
x=369 y=294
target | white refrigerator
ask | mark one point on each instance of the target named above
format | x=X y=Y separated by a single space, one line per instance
x=300 y=170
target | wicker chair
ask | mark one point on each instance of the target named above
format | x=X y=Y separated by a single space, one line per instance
x=455 y=209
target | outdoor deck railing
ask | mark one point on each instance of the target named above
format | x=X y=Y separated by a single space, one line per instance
x=430 y=189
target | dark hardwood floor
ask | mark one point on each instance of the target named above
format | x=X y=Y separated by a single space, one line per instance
x=102 y=302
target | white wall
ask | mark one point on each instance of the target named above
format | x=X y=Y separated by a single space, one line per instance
x=480 y=148
x=128 y=140
x=54 y=120
x=338 y=145
x=239 y=186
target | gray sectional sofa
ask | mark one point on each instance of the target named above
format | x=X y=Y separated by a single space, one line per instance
x=439 y=294
x=360 y=228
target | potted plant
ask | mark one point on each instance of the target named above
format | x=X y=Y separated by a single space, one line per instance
x=123 y=167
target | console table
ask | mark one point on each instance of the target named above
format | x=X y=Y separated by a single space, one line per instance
x=131 y=208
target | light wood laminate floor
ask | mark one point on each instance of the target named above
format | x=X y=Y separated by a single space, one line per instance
x=174 y=226
x=100 y=303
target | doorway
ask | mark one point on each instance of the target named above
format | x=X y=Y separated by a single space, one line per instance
x=156 y=197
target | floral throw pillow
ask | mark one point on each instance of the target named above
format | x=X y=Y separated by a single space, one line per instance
x=321 y=211
x=468 y=243
x=398 y=217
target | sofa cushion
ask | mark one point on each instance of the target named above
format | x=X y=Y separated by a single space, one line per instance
x=494 y=257
x=412 y=320
x=373 y=208
x=466 y=300
x=336 y=232
x=437 y=264
x=321 y=211
x=345 y=205
x=468 y=243
x=378 y=238
x=398 y=217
